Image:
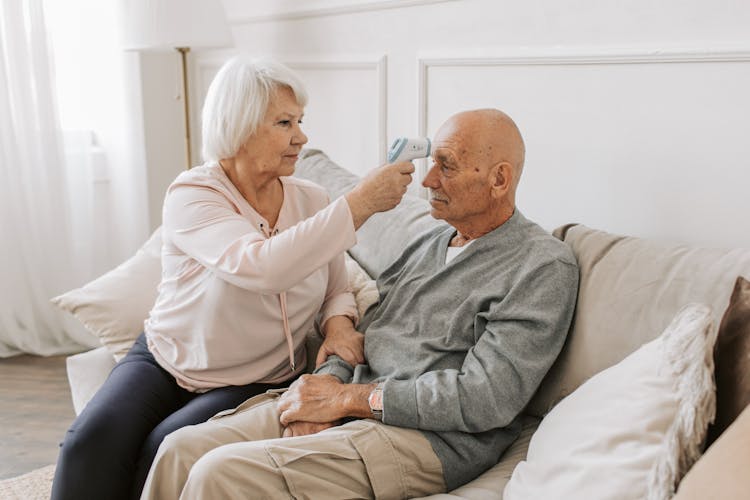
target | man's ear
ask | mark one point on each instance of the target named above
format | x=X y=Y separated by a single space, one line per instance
x=501 y=178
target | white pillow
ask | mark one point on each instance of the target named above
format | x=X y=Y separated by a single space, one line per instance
x=631 y=431
x=114 y=306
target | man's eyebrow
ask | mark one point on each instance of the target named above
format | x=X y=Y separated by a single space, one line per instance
x=445 y=158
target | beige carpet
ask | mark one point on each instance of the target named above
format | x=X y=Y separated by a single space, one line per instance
x=34 y=485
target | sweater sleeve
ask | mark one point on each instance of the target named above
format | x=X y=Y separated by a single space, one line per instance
x=203 y=223
x=523 y=334
x=337 y=367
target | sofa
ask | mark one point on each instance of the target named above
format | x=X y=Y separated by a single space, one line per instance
x=627 y=409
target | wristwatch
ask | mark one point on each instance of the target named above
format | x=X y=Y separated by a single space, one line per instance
x=375 y=400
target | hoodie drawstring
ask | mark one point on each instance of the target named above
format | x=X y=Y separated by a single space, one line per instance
x=284 y=316
x=287 y=330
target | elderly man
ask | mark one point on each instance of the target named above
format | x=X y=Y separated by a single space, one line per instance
x=470 y=319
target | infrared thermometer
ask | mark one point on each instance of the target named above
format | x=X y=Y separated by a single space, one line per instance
x=406 y=149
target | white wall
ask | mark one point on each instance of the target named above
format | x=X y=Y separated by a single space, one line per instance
x=163 y=127
x=636 y=114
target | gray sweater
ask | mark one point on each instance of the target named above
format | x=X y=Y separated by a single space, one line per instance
x=463 y=346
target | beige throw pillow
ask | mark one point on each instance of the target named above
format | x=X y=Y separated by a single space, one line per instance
x=114 y=306
x=631 y=431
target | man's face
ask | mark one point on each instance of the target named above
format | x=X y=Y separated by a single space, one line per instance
x=459 y=185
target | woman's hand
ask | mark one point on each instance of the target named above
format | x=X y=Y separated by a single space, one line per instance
x=343 y=341
x=381 y=190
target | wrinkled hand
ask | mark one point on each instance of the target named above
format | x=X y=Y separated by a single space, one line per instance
x=381 y=190
x=346 y=343
x=295 y=429
x=312 y=398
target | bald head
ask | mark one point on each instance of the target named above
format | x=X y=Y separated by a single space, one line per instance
x=487 y=137
x=478 y=157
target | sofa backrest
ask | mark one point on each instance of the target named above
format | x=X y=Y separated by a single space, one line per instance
x=383 y=237
x=630 y=289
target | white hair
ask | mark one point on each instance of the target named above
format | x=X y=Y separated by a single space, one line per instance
x=237 y=101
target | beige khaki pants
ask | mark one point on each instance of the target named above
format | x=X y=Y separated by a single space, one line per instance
x=239 y=453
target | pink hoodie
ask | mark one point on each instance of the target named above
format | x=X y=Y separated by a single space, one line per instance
x=237 y=297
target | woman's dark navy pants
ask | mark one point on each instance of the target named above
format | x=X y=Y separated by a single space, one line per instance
x=107 y=452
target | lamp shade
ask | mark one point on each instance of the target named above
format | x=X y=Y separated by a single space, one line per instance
x=167 y=24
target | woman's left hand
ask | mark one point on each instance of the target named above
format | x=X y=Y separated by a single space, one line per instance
x=345 y=342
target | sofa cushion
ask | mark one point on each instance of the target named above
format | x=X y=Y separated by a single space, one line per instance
x=629 y=290
x=383 y=237
x=632 y=430
x=490 y=484
x=732 y=360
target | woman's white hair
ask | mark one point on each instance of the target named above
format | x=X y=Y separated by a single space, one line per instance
x=237 y=101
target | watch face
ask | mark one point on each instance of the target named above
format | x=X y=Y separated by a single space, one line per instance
x=376 y=399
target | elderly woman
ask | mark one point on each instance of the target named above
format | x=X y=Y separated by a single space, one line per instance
x=250 y=258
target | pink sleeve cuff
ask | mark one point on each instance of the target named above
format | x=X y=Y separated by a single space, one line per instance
x=342 y=304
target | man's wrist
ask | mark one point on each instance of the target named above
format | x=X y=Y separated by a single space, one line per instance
x=358 y=400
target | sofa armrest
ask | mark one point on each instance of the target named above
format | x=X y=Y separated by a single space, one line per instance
x=87 y=372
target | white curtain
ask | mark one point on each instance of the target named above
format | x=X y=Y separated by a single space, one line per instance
x=50 y=241
x=36 y=244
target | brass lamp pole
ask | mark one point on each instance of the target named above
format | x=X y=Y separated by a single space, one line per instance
x=167 y=25
x=183 y=53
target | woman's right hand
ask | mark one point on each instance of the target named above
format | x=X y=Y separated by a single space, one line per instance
x=381 y=190
x=346 y=343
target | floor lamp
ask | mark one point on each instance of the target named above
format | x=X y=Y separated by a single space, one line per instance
x=159 y=25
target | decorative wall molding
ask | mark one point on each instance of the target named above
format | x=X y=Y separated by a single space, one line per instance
x=347 y=8
x=569 y=56
x=379 y=65
x=206 y=67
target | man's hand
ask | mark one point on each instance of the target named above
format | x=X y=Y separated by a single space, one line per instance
x=312 y=398
x=345 y=342
x=295 y=429
x=323 y=399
